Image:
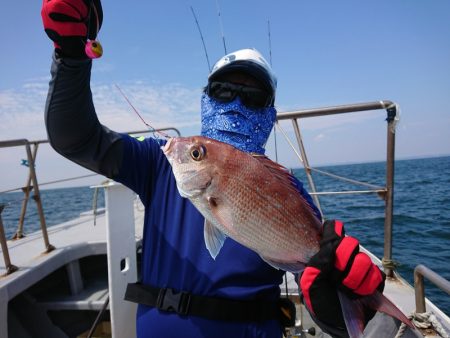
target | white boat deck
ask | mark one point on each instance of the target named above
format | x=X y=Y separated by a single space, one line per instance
x=73 y=240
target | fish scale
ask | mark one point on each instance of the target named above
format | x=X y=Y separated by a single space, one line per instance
x=273 y=242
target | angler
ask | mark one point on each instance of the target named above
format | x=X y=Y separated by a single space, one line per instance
x=184 y=292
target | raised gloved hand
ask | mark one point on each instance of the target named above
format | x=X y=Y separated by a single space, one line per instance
x=69 y=23
x=338 y=265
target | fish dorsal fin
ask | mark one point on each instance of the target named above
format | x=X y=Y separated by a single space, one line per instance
x=280 y=172
x=214 y=239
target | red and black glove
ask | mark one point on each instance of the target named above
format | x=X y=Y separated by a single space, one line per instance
x=69 y=23
x=338 y=265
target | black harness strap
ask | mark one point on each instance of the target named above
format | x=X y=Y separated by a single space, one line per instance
x=184 y=303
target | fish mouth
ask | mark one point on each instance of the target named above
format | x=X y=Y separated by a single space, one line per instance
x=167 y=146
x=188 y=194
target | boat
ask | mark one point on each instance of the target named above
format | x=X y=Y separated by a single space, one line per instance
x=69 y=280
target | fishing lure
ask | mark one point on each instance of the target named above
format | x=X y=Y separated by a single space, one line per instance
x=93 y=48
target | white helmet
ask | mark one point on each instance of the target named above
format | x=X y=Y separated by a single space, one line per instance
x=248 y=61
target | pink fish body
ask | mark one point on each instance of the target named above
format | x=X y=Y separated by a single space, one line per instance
x=250 y=199
x=254 y=201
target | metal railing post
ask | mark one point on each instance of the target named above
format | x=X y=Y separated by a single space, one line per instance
x=419 y=287
x=27 y=189
x=389 y=196
x=37 y=198
x=9 y=267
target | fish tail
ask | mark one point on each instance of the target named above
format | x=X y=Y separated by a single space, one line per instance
x=378 y=301
x=353 y=311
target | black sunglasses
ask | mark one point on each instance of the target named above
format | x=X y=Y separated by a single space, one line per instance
x=250 y=96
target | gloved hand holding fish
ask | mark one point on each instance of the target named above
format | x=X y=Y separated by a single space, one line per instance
x=339 y=262
x=255 y=201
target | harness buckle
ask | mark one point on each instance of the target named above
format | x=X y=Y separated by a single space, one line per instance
x=171 y=301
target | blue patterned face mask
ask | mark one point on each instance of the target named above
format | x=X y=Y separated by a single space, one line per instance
x=232 y=122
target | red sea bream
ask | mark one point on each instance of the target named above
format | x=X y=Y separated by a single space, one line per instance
x=255 y=202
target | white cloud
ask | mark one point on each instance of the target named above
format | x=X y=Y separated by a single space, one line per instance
x=22 y=109
x=21 y=112
x=160 y=106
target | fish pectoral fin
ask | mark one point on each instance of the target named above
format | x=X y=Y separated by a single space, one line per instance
x=293 y=267
x=221 y=213
x=214 y=239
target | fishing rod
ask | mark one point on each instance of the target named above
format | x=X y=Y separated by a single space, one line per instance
x=201 y=36
x=270 y=42
x=221 y=27
x=270 y=60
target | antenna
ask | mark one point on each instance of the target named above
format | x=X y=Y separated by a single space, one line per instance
x=270 y=42
x=276 y=124
x=221 y=27
x=201 y=36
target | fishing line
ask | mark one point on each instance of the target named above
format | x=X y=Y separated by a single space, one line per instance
x=201 y=36
x=221 y=27
x=275 y=140
x=289 y=141
x=152 y=129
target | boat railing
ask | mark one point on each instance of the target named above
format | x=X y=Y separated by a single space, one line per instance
x=386 y=192
x=420 y=272
x=32 y=186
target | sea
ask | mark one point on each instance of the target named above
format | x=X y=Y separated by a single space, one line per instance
x=421 y=229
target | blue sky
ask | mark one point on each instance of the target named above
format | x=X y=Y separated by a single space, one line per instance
x=323 y=52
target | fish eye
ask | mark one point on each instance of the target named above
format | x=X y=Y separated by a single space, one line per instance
x=198 y=152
